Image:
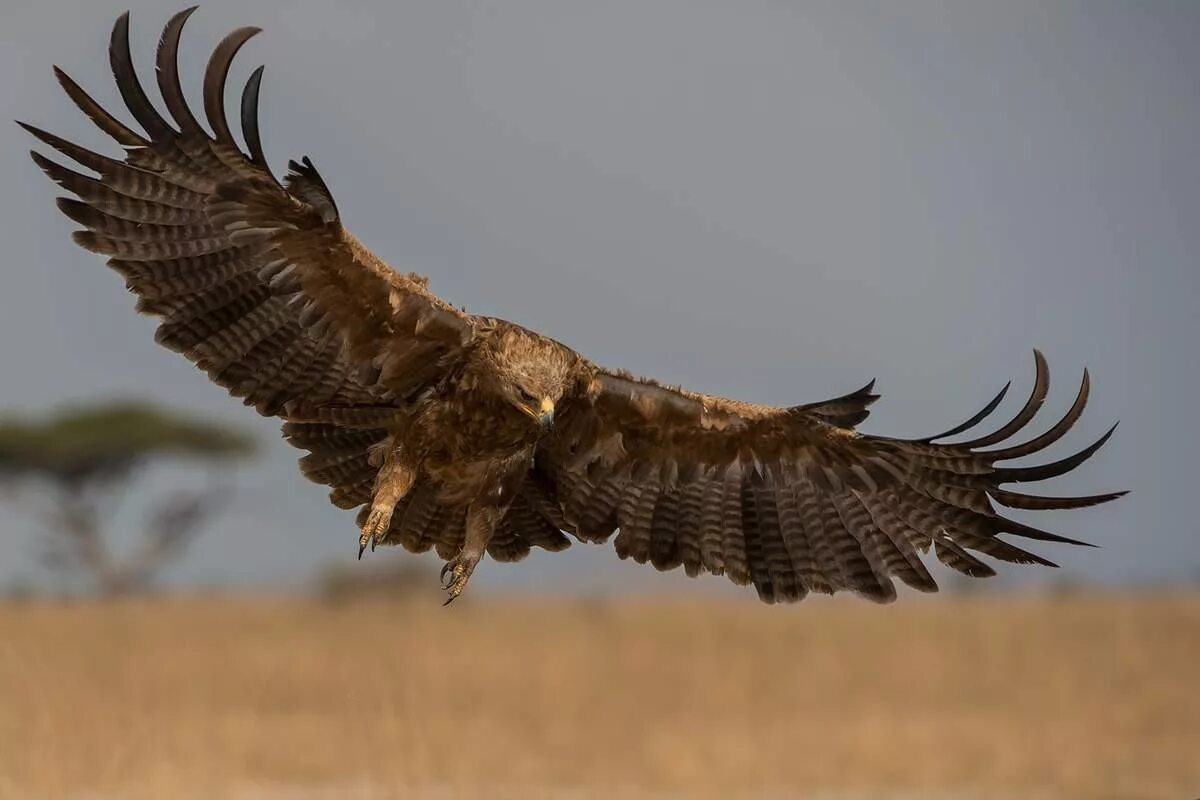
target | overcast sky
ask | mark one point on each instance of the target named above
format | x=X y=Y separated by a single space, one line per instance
x=771 y=200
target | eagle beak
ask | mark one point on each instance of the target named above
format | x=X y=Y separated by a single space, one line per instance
x=546 y=415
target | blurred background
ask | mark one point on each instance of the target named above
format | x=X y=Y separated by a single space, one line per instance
x=772 y=201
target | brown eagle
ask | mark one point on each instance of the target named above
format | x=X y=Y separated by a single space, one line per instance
x=472 y=434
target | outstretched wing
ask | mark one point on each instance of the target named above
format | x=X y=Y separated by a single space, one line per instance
x=794 y=500
x=256 y=281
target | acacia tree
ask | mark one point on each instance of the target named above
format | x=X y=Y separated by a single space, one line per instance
x=85 y=459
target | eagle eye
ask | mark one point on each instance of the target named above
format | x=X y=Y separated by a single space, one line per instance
x=526 y=396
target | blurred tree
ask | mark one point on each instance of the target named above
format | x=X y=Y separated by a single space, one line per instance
x=86 y=458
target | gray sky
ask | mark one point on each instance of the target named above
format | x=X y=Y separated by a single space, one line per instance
x=774 y=201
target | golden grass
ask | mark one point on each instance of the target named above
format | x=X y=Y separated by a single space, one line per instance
x=1084 y=697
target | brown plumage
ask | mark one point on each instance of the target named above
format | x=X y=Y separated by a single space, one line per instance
x=470 y=434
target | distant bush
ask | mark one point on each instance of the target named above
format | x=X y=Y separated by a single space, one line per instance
x=386 y=579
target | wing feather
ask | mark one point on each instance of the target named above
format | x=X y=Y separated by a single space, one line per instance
x=795 y=540
x=664 y=529
x=733 y=538
x=712 y=527
x=786 y=584
x=688 y=530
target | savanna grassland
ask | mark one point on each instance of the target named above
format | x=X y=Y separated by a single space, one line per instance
x=1074 y=697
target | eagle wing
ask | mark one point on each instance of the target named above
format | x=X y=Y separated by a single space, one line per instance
x=794 y=500
x=255 y=280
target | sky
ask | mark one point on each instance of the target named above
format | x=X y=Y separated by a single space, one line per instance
x=774 y=201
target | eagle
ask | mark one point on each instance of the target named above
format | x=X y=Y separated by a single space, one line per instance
x=471 y=434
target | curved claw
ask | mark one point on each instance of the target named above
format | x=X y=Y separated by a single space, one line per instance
x=366 y=539
x=446 y=576
x=374 y=529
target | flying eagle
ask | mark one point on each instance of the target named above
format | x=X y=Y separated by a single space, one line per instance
x=475 y=435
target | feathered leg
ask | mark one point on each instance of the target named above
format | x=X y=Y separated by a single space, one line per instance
x=395 y=479
x=483 y=515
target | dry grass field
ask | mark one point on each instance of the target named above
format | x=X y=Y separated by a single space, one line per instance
x=1080 y=697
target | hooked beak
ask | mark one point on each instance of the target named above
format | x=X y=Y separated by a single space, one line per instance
x=546 y=413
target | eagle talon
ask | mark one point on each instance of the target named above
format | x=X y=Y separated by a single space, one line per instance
x=455 y=574
x=374 y=530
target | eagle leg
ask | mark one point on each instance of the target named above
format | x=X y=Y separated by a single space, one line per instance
x=482 y=518
x=395 y=479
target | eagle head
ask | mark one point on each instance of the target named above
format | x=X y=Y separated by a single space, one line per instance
x=527 y=371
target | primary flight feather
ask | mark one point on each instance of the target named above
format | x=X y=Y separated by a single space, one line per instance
x=471 y=434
